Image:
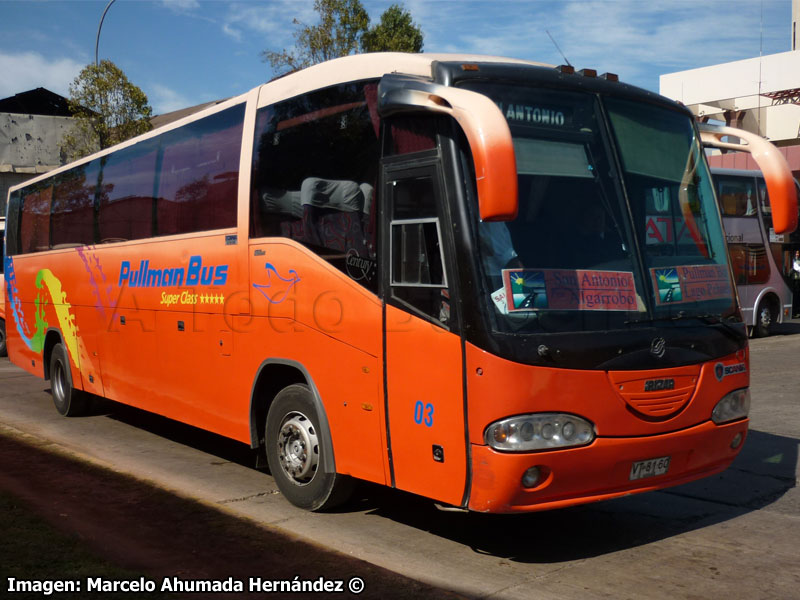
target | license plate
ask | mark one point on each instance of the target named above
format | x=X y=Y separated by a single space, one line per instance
x=649 y=468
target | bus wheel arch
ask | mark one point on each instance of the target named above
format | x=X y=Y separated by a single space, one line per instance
x=286 y=408
x=766 y=315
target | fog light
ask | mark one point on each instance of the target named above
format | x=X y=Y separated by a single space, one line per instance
x=737 y=440
x=531 y=477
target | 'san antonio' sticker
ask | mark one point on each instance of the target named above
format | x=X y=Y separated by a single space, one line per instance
x=568 y=289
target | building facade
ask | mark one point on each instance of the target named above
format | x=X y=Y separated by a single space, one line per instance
x=760 y=94
x=32 y=126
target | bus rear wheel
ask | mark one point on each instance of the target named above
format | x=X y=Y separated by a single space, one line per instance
x=765 y=317
x=3 y=349
x=295 y=451
x=69 y=401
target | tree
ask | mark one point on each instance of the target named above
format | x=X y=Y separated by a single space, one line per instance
x=395 y=33
x=343 y=30
x=107 y=109
x=342 y=22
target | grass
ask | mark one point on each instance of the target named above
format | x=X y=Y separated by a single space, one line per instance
x=32 y=550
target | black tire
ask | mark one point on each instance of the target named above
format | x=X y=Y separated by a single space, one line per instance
x=765 y=317
x=3 y=349
x=295 y=448
x=69 y=401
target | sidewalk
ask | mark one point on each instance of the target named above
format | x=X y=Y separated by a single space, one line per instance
x=144 y=529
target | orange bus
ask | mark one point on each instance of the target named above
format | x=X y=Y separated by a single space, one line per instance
x=2 y=295
x=425 y=271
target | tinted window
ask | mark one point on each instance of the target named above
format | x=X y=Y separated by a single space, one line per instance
x=750 y=263
x=199 y=175
x=72 y=211
x=410 y=134
x=314 y=174
x=737 y=196
x=35 y=219
x=126 y=193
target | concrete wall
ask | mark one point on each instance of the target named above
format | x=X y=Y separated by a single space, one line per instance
x=31 y=140
x=29 y=145
x=737 y=80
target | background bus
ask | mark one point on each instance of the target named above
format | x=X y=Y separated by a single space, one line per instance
x=424 y=271
x=761 y=259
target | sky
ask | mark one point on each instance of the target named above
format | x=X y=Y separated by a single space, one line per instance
x=186 y=52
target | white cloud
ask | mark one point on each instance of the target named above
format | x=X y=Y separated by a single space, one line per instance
x=164 y=99
x=273 y=20
x=29 y=70
x=181 y=6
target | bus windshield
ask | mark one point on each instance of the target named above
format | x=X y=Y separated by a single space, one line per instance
x=617 y=221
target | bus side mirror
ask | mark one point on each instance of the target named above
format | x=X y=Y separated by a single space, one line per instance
x=779 y=179
x=483 y=124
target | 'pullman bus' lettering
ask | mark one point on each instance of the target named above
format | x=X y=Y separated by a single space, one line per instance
x=196 y=274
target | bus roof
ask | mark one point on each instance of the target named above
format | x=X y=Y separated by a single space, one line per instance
x=366 y=66
x=339 y=70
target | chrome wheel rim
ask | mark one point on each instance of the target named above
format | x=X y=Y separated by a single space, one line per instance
x=298 y=448
x=59 y=385
x=765 y=317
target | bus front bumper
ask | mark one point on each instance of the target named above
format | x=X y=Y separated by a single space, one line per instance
x=602 y=470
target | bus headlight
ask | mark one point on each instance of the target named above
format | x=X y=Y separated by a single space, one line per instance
x=735 y=405
x=542 y=431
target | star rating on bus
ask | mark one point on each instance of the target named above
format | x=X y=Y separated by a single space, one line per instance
x=212 y=299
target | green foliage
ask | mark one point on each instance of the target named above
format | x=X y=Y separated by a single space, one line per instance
x=395 y=33
x=342 y=22
x=343 y=30
x=107 y=108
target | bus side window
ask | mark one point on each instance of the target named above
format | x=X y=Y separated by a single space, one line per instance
x=199 y=175
x=126 y=193
x=35 y=218
x=417 y=267
x=314 y=172
x=72 y=213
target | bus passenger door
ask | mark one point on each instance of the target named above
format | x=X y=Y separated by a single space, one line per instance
x=423 y=358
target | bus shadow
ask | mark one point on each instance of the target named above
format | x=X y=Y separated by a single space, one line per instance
x=221 y=447
x=761 y=475
x=788 y=328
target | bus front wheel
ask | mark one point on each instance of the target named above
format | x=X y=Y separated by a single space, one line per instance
x=69 y=401
x=765 y=317
x=295 y=449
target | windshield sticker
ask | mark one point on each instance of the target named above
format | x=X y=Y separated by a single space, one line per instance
x=691 y=283
x=568 y=289
x=499 y=299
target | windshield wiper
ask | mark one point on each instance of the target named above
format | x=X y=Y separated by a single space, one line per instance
x=676 y=317
x=709 y=318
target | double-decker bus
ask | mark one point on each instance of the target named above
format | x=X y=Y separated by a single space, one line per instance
x=761 y=258
x=425 y=271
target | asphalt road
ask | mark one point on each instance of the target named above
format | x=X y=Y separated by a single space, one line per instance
x=732 y=536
